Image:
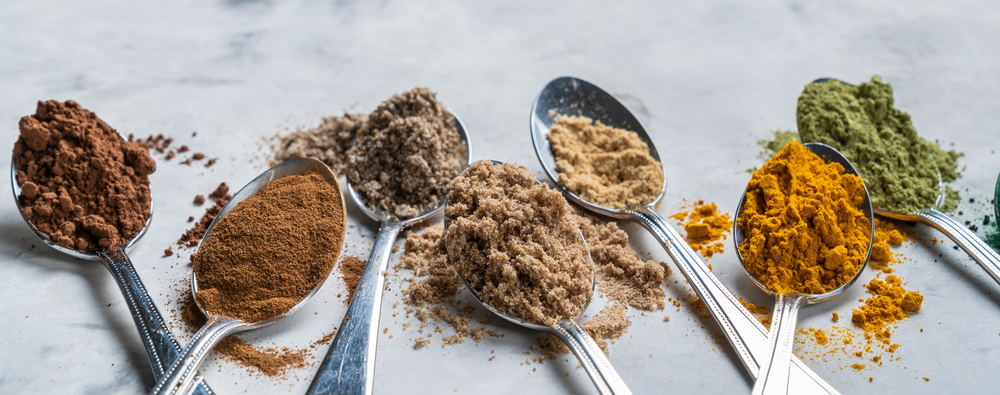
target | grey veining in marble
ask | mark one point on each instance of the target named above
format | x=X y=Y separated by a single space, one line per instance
x=708 y=79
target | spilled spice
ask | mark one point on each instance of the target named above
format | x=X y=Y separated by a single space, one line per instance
x=192 y=237
x=762 y=312
x=607 y=326
x=327 y=142
x=885 y=236
x=706 y=226
x=351 y=269
x=889 y=303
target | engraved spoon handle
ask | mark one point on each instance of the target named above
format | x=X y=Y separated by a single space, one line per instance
x=745 y=333
x=605 y=377
x=981 y=252
x=349 y=365
x=180 y=376
x=773 y=376
x=162 y=347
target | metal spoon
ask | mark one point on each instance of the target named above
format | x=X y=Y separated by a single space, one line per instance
x=349 y=365
x=573 y=96
x=161 y=346
x=982 y=253
x=773 y=375
x=598 y=367
x=178 y=378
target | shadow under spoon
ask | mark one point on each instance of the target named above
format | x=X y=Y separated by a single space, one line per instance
x=349 y=365
x=178 y=378
x=574 y=96
x=773 y=376
x=982 y=253
x=161 y=346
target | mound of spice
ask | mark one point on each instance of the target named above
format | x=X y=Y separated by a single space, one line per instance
x=252 y=265
x=706 y=227
x=327 y=142
x=803 y=230
x=604 y=165
x=406 y=155
x=515 y=242
x=81 y=183
x=899 y=167
x=889 y=304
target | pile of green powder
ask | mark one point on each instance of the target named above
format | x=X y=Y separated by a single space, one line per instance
x=899 y=167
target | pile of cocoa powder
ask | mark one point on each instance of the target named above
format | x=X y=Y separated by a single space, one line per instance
x=81 y=183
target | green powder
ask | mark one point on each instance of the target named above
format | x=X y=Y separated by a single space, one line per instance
x=773 y=146
x=899 y=167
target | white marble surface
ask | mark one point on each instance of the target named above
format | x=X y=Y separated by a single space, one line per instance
x=707 y=78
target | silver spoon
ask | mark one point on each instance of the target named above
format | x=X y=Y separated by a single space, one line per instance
x=773 y=375
x=598 y=367
x=178 y=378
x=349 y=365
x=573 y=96
x=982 y=253
x=161 y=346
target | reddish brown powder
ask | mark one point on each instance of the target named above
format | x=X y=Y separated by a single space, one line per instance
x=81 y=184
x=351 y=269
x=272 y=249
x=192 y=237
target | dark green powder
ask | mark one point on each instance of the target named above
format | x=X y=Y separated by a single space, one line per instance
x=899 y=167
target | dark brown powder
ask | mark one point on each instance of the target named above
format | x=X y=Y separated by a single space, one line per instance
x=351 y=269
x=192 y=237
x=252 y=266
x=81 y=184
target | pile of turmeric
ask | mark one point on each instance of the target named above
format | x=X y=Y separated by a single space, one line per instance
x=885 y=235
x=706 y=227
x=891 y=303
x=804 y=232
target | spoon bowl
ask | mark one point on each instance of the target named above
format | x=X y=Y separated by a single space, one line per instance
x=177 y=380
x=773 y=375
x=349 y=365
x=574 y=96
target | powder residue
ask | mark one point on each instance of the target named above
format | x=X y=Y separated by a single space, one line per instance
x=351 y=269
x=762 y=312
x=804 y=231
x=705 y=228
x=890 y=303
x=191 y=237
x=605 y=327
x=425 y=255
x=604 y=165
x=899 y=167
x=327 y=142
x=886 y=235
x=81 y=184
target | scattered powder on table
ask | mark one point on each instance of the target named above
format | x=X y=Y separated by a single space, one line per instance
x=899 y=167
x=515 y=242
x=804 y=230
x=607 y=326
x=250 y=267
x=351 y=269
x=81 y=184
x=890 y=303
x=425 y=255
x=604 y=165
x=762 y=312
x=886 y=235
x=404 y=159
x=192 y=237
x=327 y=142
x=706 y=227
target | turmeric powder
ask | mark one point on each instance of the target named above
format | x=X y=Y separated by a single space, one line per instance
x=803 y=229
x=706 y=227
x=891 y=303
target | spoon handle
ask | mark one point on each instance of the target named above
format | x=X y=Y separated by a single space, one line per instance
x=592 y=358
x=745 y=333
x=162 y=347
x=349 y=365
x=180 y=376
x=981 y=252
x=773 y=376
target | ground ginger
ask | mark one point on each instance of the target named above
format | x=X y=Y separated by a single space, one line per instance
x=804 y=232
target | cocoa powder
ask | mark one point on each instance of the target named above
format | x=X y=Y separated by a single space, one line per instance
x=81 y=183
x=192 y=237
x=272 y=249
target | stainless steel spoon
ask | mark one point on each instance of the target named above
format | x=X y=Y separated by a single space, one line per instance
x=982 y=253
x=773 y=375
x=349 y=365
x=573 y=96
x=178 y=378
x=161 y=346
x=605 y=377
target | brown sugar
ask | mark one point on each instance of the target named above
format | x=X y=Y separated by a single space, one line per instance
x=515 y=242
x=706 y=227
x=327 y=142
x=404 y=159
x=351 y=269
x=425 y=255
x=251 y=266
x=608 y=325
x=81 y=184
x=604 y=165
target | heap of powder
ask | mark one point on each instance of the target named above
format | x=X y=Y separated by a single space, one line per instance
x=803 y=229
x=81 y=184
x=889 y=304
x=327 y=142
x=515 y=242
x=251 y=266
x=885 y=236
x=406 y=156
x=192 y=237
x=425 y=254
x=899 y=167
x=351 y=269
x=706 y=227
x=608 y=166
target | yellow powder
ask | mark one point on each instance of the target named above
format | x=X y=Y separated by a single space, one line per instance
x=705 y=227
x=885 y=236
x=889 y=304
x=604 y=165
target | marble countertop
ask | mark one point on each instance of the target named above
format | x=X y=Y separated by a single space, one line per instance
x=708 y=79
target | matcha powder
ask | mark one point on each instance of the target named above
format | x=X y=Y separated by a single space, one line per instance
x=899 y=167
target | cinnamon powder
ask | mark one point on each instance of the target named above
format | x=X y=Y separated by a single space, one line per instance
x=351 y=269
x=272 y=249
x=81 y=183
